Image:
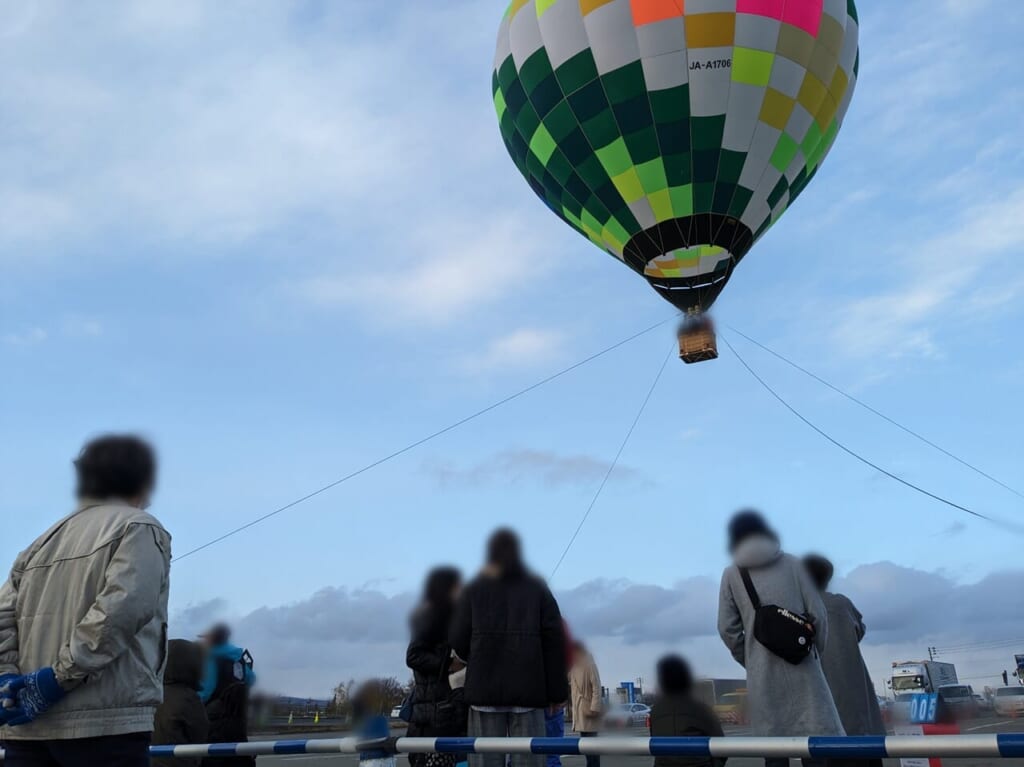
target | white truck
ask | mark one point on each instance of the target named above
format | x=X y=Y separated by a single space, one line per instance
x=911 y=677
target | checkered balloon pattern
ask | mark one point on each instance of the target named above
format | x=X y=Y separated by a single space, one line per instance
x=673 y=133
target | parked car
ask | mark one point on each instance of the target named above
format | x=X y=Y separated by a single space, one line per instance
x=960 y=700
x=396 y=712
x=1009 y=701
x=983 y=703
x=627 y=715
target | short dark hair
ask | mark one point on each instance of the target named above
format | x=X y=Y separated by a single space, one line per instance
x=820 y=569
x=505 y=551
x=217 y=634
x=674 y=676
x=115 y=466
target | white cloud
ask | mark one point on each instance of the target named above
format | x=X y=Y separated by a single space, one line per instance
x=918 y=69
x=521 y=348
x=942 y=276
x=199 y=138
x=441 y=271
x=932 y=142
x=549 y=468
x=159 y=129
x=73 y=327
x=82 y=327
x=964 y=8
x=29 y=337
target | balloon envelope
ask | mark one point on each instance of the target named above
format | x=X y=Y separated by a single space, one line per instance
x=673 y=133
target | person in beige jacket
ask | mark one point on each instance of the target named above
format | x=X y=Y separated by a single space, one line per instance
x=587 y=704
x=83 y=622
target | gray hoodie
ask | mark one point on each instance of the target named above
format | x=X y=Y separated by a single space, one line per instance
x=782 y=699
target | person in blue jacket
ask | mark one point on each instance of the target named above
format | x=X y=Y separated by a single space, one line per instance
x=225 y=691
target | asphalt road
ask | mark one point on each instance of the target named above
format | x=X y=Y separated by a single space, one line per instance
x=977 y=726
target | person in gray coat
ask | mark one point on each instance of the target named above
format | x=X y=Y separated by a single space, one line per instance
x=783 y=699
x=844 y=666
x=83 y=622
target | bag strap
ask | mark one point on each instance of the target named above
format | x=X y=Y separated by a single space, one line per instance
x=749 y=586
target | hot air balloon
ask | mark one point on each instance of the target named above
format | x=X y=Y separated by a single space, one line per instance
x=674 y=133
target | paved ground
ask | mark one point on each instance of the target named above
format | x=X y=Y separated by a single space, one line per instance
x=978 y=726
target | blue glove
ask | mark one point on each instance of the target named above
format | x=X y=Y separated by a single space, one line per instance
x=7 y=698
x=36 y=693
x=6 y=679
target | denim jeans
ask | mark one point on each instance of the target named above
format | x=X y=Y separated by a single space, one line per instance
x=593 y=760
x=488 y=724
x=112 y=751
x=554 y=726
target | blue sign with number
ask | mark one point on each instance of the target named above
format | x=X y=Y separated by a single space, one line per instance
x=924 y=708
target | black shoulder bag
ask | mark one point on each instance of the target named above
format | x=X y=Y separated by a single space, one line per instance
x=785 y=633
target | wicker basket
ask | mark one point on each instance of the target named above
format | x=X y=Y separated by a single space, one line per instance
x=697 y=345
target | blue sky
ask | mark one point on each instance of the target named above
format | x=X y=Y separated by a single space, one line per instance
x=284 y=240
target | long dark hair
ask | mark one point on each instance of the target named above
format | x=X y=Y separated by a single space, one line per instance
x=437 y=604
x=440 y=584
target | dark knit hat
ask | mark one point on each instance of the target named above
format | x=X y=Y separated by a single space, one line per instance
x=746 y=523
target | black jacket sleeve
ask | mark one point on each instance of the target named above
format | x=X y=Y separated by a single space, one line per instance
x=552 y=635
x=425 y=656
x=461 y=630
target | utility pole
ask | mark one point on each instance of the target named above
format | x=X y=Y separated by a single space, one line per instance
x=932 y=652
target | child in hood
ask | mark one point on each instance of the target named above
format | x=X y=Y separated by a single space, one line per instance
x=181 y=718
x=677 y=713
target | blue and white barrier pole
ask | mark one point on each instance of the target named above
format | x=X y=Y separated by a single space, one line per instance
x=862 y=747
x=258 y=748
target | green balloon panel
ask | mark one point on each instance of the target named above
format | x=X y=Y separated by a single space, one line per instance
x=673 y=133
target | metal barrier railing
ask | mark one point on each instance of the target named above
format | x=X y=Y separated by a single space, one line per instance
x=860 y=747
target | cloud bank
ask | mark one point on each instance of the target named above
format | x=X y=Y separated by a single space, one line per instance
x=338 y=633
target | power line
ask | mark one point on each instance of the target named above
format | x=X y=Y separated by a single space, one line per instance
x=994 y=644
x=973 y=650
x=986 y=648
x=423 y=440
x=615 y=461
x=847 y=450
x=975 y=645
x=878 y=413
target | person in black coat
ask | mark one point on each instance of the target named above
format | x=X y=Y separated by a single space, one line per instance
x=677 y=713
x=437 y=710
x=181 y=718
x=508 y=629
